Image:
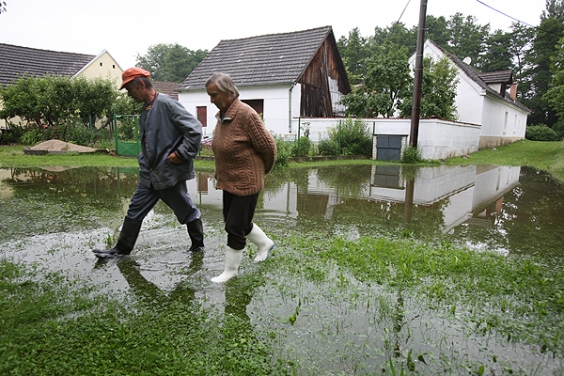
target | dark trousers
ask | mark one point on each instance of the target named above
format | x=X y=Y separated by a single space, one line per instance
x=238 y=212
x=177 y=198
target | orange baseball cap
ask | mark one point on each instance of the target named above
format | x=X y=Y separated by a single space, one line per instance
x=130 y=74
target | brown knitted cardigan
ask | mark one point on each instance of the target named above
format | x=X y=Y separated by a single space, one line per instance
x=244 y=150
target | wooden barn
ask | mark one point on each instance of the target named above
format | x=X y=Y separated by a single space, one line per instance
x=282 y=76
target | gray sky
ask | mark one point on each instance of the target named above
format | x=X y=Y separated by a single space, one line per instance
x=127 y=28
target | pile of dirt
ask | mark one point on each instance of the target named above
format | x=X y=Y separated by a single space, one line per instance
x=58 y=146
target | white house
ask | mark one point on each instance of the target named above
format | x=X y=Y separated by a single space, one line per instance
x=282 y=76
x=485 y=99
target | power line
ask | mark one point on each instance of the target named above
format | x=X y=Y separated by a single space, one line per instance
x=523 y=22
x=506 y=15
x=403 y=11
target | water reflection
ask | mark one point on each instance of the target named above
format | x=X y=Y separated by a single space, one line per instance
x=503 y=209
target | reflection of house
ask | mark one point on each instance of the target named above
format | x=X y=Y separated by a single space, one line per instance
x=282 y=76
x=19 y=61
x=463 y=193
x=486 y=99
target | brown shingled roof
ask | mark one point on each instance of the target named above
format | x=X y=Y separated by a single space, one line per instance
x=17 y=61
x=169 y=88
x=261 y=60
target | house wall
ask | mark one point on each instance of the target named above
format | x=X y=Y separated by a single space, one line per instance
x=501 y=122
x=103 y=66
x=469 y=100
x=280 y=104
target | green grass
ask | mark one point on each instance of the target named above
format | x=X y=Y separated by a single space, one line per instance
x=547 y=156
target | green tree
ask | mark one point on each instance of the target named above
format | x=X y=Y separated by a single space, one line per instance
x=396 y=34
x=467 y=37
x=498 y=55
x=555 y=94
x=436 y=30
x=538 y=76
x=353 y=51
x=438 y=90
x=49 y=101
x=521 y=40
x=170 y=62
x=386 y=81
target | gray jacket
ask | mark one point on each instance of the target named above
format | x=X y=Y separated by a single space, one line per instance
x=165 y=126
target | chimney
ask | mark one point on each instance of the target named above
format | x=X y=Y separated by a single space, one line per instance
x=513 y=91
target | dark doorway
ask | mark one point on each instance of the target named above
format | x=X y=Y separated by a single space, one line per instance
x=388 y=147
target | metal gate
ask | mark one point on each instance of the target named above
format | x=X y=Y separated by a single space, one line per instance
x=127 y=144
x=388 y=147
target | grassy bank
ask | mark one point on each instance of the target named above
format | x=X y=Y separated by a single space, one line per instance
x=548 y=156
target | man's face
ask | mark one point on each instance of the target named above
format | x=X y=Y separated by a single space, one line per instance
x=134 y=91
x=218 y=97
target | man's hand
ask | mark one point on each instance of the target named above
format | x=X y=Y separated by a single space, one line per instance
x=174 y=158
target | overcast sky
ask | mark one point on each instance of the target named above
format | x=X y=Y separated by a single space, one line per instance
x=127 y=28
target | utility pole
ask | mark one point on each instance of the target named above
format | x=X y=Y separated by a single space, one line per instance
x=416 y=104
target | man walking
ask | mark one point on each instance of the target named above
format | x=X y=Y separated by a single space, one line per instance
x=170 y=140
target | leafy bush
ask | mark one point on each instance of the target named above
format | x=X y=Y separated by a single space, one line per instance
x=353 y=136
x=282 y=153
x=541 y=132
x=31 y=137
x=11 y=135
x=559 y=129
x=304 y=145
x=411 y=155
x=328 y=147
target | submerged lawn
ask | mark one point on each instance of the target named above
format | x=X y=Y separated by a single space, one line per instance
x=364 y=306
x=322 y=304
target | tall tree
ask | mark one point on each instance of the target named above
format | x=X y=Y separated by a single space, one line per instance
x=396 y=34
x=353 y=51
x=498 y=55
x=467 y=37
x=555 y=94
x=170 y=62
x=438 y=90
x=538 y=76
x=386 y=81
x=521 y=40
x=437 y=30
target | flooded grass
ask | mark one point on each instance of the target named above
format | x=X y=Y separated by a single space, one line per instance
x=320 y=305
x=351 y=288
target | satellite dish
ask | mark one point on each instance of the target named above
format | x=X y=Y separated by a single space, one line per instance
x=467 y=60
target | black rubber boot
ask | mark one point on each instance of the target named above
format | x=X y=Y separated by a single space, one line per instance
x=196 y=232
x=127 y=239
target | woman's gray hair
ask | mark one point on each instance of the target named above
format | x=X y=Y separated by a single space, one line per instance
x=224 y=83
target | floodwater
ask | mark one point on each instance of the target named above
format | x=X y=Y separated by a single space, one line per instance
x=53 y=218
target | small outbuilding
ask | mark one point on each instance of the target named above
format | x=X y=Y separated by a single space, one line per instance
x=282 y=76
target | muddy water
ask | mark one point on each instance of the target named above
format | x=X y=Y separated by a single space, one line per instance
x=54 y=218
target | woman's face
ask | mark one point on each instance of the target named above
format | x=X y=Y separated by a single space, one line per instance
x=218 y=97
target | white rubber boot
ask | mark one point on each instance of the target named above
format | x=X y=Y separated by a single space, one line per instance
x=232 y=261
x=263 y=243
